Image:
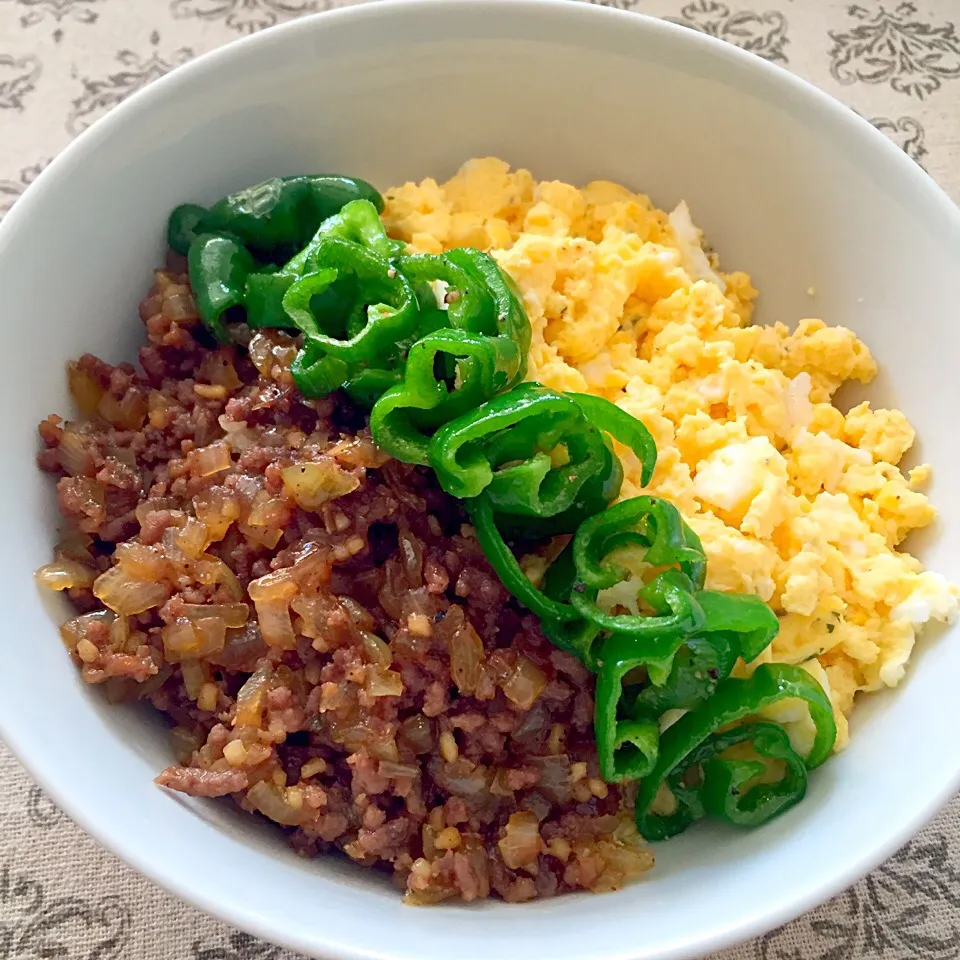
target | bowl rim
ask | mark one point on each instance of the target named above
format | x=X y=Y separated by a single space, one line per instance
x=780 y=81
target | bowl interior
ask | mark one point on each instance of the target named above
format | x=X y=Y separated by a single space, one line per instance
x=787 y=184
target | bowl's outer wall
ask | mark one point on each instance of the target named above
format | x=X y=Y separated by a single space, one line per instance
x=787 y=185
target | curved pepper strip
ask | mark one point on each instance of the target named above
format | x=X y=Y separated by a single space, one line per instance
x=184 y=225
x=315 y=374
x=596 y=494
x=272 y=218
x=383 y=311
x=366 y=386
x=623 y=427
x=520 y=429
x=627 y=748
x=700 y=664
x=219 y=267
x=726 y=792
x=576 y=636
x=649 y=522
x=735 y=625
x=467 y=304
x=505 y=565
x=511 y=318
x=422 y=400
x=747 y=617
x=358 y=222
x=733 y=700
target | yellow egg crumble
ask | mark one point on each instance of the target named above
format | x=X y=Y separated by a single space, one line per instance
x=794 y=501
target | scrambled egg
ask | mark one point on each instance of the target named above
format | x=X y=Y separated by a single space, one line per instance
x=794 y=501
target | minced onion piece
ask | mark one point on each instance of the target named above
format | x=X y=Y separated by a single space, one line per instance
x=126 y=595
x=392 y=770
x=85 y=389
x=271 y=595
x=193 y=538
x=265 y=536
x=216 y=509
x=233 y=615
x=267 y=511
x=194 y=639
x=377 y=650
x=206 y=461
x=524 y=684
x=210 y=571
x=142 y=562
x=193 y=678
x=521 y=843
x=75 y=452
x=466 y=658
x=272 y=802
x=383 y=683
x=251 y=696
x=128 y=412
x=317 y=482
x=65 y=575
x=75 y=629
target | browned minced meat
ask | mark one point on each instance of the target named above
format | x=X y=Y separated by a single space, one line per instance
x=385 y=696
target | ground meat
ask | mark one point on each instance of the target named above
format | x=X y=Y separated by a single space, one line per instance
x=336 y=657
x=203 y=783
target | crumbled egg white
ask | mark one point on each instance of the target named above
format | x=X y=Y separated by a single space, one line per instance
x=794 y=501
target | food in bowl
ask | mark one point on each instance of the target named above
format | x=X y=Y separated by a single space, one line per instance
x=479 y=534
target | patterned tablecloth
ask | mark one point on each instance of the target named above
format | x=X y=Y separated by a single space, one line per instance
x=64 y=63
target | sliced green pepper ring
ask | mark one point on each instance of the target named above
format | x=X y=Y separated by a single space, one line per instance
x=733 y=700
x=511 y=317
x=651 y=522
x=670 y=594
x=382 y=308
x=727 y=790
x=467 y=304
x=219 y=267
x=404 y=418
x=507 y=440
x=623 y=427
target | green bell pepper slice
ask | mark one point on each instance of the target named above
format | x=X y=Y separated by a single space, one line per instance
x=468 y=304
x=623 y=427
x=356 y=311
x=404 y=417
x=649 y=522
x=727 y=792
x=735 y=625
x=219 y=267
x=511 y=318
x=365 y=387
x=275 y=218
x=503 y=449
x=733 y=700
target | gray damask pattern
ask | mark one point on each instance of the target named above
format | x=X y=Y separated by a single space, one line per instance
x=896 y=46
x=763 y=33
x=238 y=946
x=18 y=79
x=136 y=71
x=64 y=63
x=58 y=13
x=906 y=132
x=897 y=912
x=10 y=190
x=246 y=16
x=37 y=926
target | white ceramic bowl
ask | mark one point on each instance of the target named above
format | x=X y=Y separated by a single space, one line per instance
x=789 y=185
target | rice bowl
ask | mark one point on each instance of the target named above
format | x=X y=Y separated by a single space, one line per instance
x=818 y=866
